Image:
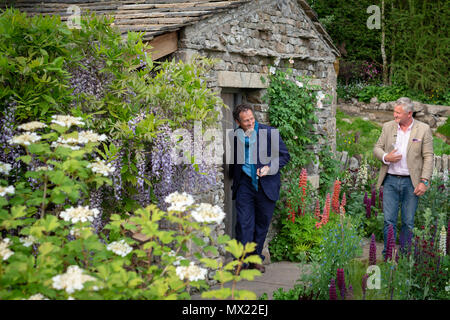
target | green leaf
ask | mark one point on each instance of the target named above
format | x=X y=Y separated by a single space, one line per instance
x=221 y=294
x=235 y=248
x=27 y=159
x=249 y=274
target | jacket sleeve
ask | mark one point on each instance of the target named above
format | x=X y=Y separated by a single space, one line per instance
x=283 y=156
x=427 y=154
x=378 y=150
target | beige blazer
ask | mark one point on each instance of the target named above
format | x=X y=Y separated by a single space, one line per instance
x=419 y=153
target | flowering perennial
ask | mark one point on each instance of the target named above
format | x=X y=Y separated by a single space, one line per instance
x=101 y=167
x=6 y=190
x=25 y=139
x=332 y=291
x=179 y=201
x=191 y=272
x=31 y=126
x=72 y=280
x=5 y=252
x=373 y=251
x=335 y=200
x=38 y=296
x=120 y=248
x=205 y=212
x=5 y=168
x=390 y=243
x=80 y=213
x=28 y=241
x=67 y=121
x=341 y=282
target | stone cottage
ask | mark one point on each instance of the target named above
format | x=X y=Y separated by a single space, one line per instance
x=246 y=36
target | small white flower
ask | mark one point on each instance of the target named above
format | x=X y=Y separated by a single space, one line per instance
x=191 y=272
x=43 y=168
x=177 y=258
x=5 y=168
x=277 y=61
x=31 y=126
x=179 y=201
x=120 y=248
x=101 y=167
x=90 y=136
x=38 y=296
x=5 y=252
x=80 y=213
x=205 y=212
x=25 y=139
x=57 y=144
x=272 y=70
x=319 y=104
x=299 y=84
x=67 y=121
x=28 y=241
x=7 y=190
x=291 y=61
x=72 y=280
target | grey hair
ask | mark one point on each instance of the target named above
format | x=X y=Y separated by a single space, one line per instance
x=406 y=103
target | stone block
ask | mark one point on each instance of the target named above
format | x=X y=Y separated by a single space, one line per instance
x=438 y=163
x=314 y=180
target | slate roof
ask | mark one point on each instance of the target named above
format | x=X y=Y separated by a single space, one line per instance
x=153 y=17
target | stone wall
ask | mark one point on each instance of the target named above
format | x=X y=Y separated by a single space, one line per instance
x=245 y=42
x=380 y=112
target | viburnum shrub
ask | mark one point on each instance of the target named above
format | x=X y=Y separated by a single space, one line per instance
x=50 y=247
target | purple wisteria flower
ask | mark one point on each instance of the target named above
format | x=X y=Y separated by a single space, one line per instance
x=390 y=243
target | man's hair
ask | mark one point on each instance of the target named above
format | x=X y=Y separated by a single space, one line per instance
x=240 y=108
x=406 y=103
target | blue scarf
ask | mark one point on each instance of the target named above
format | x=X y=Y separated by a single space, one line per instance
x=249 y=167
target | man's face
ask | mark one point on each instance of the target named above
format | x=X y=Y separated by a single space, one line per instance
x=401 y=116
x=247 y=120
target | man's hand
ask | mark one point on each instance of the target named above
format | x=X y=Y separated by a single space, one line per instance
x=261 y=172
x=393 y=157
x=420 y=189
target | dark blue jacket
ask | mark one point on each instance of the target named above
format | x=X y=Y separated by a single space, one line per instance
x=271 y=182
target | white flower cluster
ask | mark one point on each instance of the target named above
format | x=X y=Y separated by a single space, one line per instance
x=25 y=139
x=38 y=296
x=205 y=212
x=56 y=144
x=361 y=178
x=5 y=252
x=101 y=167
x=28 y=241
x=72 y=280
x=299 y=84
x=6 y=190
x=443 y=241
x=67 y=121
x=80 y=213
x=31 y=126
x=179 y=201
x=5 y=168
x=83 y=138
x=191 y=272
x=43 y=168
x=120 y=248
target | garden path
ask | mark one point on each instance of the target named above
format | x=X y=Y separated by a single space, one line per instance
x=285 y=274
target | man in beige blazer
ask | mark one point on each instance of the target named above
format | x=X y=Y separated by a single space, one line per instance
x=405 y=148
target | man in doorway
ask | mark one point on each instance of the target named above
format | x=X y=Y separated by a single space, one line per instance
x=259 y=154
x=406 y=149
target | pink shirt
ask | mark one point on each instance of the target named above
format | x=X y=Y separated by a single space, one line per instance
x=401 y=144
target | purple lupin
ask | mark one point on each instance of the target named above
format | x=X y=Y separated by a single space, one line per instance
x=341 y=282
x=373 y=251
x=332 y=291
x=364 y=285
x=390 y=243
